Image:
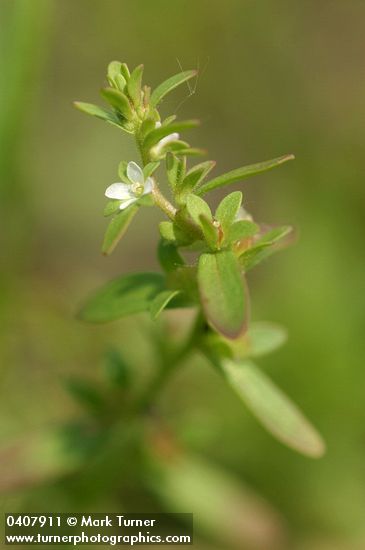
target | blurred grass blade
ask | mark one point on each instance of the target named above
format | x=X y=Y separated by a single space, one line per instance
x=225 y=510
x=117 y=228
x=273 y=408
x=161 y=302
x=222 y=293
x=242 y=173
x=124 y=296
x=170 y=84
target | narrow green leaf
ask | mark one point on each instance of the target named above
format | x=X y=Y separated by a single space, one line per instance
x=168 y=120
x=114 y=75
x=175 y=168
x=210 y=232
x=273 y=408
x=117 y=228
x=167 y=231
x=124 y=296
x=111 y=207
x=193 y=152
x=243 y=229
x=119 y=101
x=156 y=135
x=222 y=293
x=263 y=338
x=197 y=174
x=197 y=207
x=147 y=126
x=170 y=84
x=122 y=171
x=99 y=112
x=169 y=256
x=242 y=173
x=161 y=302
x=125 y=71
x=150 y=168
x=228 y=209
x=134 y=85
x=267 y=245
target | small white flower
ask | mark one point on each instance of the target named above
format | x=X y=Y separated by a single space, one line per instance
x=130 y=193
x=167 y=139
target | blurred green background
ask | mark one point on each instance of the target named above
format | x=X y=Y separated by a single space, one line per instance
x=275 y=77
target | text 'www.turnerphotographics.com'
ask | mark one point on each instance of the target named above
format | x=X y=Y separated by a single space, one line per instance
x=98 y=529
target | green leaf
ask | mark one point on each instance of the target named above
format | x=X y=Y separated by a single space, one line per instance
x=189 y=482
x=196 y=174
x=263 y=338
x=99 y=112
x=161 y=302
x=117 y=228
x=114 y=75
x=125 y=71
x=111 y=207
x=273 y=408
x=134 y=85
x=175 y=168
x=193 y=152
x=197 y=207
x=228 y=209
x=167 y=231
x=124 y=296
x=158 y=133
x=168 y=256
x=170 y=84
x=265 y=247
x=119 y=101
x=210 y=232
x=222 y=293
x=150 y=168
x=147 y=126
x=168 y=120
x=122 y=171
x=116 y=370
x=242 y=173
x=243 y=229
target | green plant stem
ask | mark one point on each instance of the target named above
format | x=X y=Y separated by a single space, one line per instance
x=169 y=364
x=160 y=200
x=163 y=203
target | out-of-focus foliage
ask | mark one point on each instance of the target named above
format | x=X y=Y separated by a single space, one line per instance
x=292 y=78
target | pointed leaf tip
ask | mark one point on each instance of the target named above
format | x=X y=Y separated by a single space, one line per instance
x=276 y=412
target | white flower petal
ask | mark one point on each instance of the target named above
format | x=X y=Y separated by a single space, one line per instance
x=126 y=203
x=148 y=186
x=135 y=173
x=118 y=191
